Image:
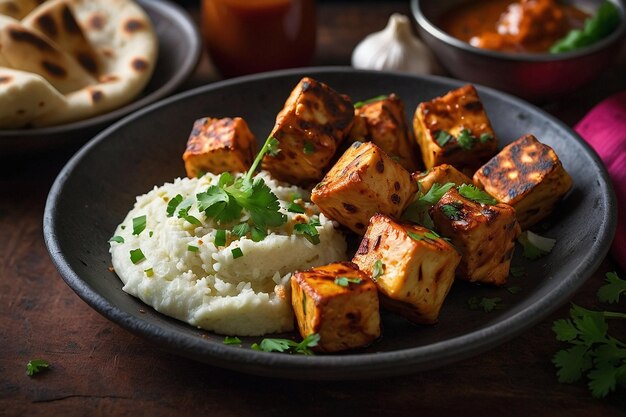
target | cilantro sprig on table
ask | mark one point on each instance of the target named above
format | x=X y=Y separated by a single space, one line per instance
x=593 y=352
x=34 y=366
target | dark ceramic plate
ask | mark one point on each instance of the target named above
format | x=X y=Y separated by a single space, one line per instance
x=180 y=48
x=98 y=186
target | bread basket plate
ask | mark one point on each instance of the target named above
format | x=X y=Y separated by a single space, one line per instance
x=145 y=148
x=180 y=48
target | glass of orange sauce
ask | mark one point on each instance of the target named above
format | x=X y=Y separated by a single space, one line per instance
x=249 y=36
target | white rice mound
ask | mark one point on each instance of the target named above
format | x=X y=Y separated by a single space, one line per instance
x=209 y=288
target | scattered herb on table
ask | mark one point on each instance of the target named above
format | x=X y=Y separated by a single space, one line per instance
x=593 y=352
x=288 y=346
x=613 y=289
x=35 y=366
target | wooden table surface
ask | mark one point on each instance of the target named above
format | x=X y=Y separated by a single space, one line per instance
x=100 y=369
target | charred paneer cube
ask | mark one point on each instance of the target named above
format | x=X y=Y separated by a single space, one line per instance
x=441 y=174
x=413 y=267
x=363 y=182
x=219 y=145
x=339 y=302
x=382 y=121
x=527 y=175
x=454 y=129
x=309 y=129
x=483 y=234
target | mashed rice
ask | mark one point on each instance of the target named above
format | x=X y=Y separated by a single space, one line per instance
x=209 y=287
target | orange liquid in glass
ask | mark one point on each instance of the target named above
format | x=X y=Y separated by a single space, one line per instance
x=249 y=36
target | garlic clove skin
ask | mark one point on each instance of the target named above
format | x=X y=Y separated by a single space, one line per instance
x=394 y=48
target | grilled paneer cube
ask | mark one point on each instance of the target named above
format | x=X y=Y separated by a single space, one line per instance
x=527 y=175
x=383 y=122
x=441 y=174
x=363 y=182
x=413 y=267
x=339 y=302
x=219 y=145
x=454 y=129
x=309 y=128
x=484 y=234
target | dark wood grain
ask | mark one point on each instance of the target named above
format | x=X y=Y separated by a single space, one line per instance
x=97 y=368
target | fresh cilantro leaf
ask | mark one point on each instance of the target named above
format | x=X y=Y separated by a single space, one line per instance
x=613 y=289
x=218 y=204
x=274 y=345
x=442 y=137
x=308 y=230
x=451 y=211
x=232 y=340
x=220 y=237
x=136 y=256
x=485 y=137
x=486 y=304
x=465 y=139
x=34 y=366
x=535 y=246
x=572 y=363
x=378 y=270
x=172 y=204
x=241 y=229
x=237 y=253
x=345 y=281
x=309 y=148
x=472 y=193
x=307 y=343
x=360 y=104
x=183 y=212
x=565 y=330
x=596 y=27
x=270 y=147
x=139 y=224
x=295 y=208
x=417 y=211
x=117 y=239
x=435 y=193
x=257 y=234
x=259 y=200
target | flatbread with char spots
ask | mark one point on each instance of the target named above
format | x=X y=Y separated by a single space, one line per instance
x=99 y=55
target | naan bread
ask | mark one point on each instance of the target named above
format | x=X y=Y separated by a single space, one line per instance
x=108 y=46
x=17 y=90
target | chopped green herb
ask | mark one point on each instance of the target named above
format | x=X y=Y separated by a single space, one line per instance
x=486 y=304
x=290 y=346
x=220 y=237
x=471 y=192
x=442 y=137
x=117 y=239
x=237 y=253
x=232 y=340
x=465 y=139
x=173 y=204
x=149 y=272
x=535 y=246
x=435 y=193
x=183 y=212
x=611 y=291
x=415 y=236
x=379 y=268
x=192 y=248
x=308 y=230
x=345 y=281
x=514 y=290
x=34 y=366
x=593 y=351
x=123 y=227
x=295 y=208
x=309 y=148
x=451 y=211
x=432 y=235
x=596 y=27
x=257 y=234
x=139 y=224
x=151 y=233
x=136 y=256
x=485 y=137
x=395 y=158
x=417 y=211
x=360 y=104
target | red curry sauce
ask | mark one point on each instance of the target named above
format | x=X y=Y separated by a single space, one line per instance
x=504 y=25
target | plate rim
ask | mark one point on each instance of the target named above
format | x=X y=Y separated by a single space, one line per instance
x=339 y=366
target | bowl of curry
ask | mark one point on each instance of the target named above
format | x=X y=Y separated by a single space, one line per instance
x=539 y=50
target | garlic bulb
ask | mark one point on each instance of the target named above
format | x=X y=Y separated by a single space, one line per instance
x=394 y=48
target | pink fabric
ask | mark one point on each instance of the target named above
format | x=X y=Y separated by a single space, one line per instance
x=604 y=128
